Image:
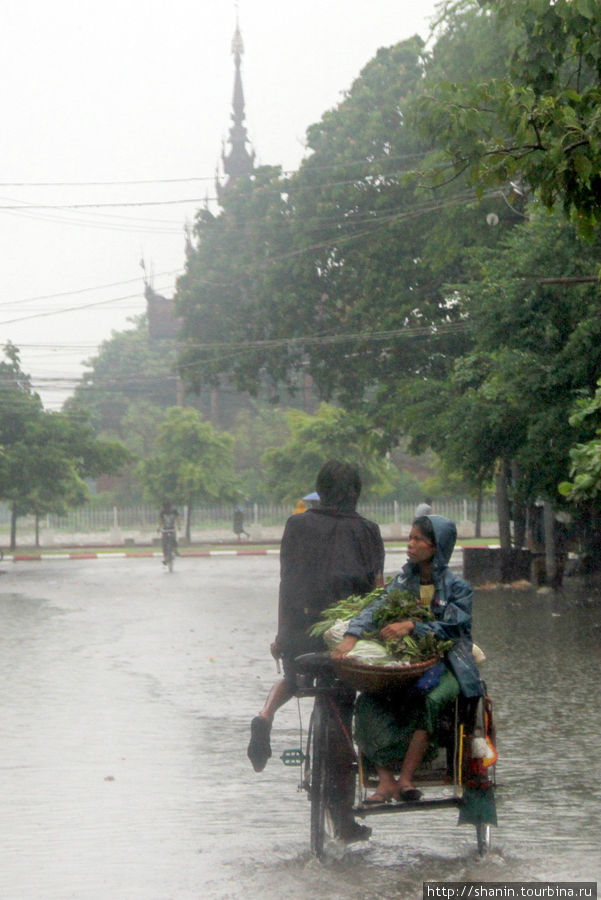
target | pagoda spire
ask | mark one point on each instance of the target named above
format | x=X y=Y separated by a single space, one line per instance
x=239 y=161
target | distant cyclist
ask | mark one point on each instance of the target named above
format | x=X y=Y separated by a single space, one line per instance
x=168 y=522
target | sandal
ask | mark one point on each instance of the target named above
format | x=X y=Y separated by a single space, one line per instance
x=410 y=795
x=259 y=748
x=380 y=796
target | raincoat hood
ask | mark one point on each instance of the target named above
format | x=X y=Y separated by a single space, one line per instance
x=445 y=532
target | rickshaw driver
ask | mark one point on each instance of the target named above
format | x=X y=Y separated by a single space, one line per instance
x=327 y=553
x=378 y=726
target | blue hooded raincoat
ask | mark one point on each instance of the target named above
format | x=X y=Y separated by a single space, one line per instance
x=451 y=607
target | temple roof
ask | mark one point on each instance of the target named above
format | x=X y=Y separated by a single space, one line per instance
x=239 y=160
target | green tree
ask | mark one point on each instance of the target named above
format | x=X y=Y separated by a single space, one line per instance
x=46 y=456
x=239 y=259
x=128 y=370
x=536 y=346
x=194 y=463
x=291 y=470
x=338 y=273
x=585 y=457
x=254 y=431
x=541 y=121
x=583 y=490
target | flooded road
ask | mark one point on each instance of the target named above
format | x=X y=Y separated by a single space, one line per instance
x=126 y=699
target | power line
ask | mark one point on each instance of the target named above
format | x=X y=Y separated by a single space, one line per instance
x=367 y=179
x=56 y=312
x=211 y=178
x=337 y=239
x=408 y=331
x=98 y=287
x=26 y=206
x=102 y=225
x=412 y=331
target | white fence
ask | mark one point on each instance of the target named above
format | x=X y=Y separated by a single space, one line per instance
x=263 y=520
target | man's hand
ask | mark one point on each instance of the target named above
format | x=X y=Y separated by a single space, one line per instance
x=397 y=630
x=274 y=649
x=345 y=646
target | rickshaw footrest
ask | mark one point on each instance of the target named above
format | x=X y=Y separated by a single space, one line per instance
x=363 y=810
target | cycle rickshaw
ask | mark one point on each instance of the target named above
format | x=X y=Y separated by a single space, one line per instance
x=461 y=777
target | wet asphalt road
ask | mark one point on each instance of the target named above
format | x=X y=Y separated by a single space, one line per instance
x=126 y=698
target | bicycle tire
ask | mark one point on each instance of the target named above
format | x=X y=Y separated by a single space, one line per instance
x=321 y=820
x=483 y=838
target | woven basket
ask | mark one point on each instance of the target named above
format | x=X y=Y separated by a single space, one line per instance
x=377 y=679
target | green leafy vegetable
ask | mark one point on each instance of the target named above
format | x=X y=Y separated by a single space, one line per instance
x=417 y=649
x=345 y=609
x=401 y=605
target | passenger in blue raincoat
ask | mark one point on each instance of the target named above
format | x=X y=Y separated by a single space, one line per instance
x=428 y=577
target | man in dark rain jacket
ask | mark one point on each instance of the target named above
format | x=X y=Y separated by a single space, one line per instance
x=327 y=553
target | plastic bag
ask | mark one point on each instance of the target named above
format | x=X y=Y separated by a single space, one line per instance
x=369 y=650
x=431 y=677
x=363 y=649
x=478 y=653
x=335 y=633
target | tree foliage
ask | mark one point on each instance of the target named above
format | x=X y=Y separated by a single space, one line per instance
x=536 y=347
x=194 y=463
x=128 y=371
x=540 y=123
x=332 y=433
x=338 y=273
x=45 y=456
x=240 y=258
x=585 y=457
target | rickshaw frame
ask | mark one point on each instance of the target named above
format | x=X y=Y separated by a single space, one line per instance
x=317 y=679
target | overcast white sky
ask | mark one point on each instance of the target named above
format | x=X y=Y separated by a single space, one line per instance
x=140 y=90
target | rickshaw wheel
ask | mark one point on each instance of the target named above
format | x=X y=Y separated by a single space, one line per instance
x=322 y=826
x=483 y=837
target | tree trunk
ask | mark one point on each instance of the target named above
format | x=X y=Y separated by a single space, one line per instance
x=37 y=530
x=519 y=509
x=503 y=512
x=519 y=525
x=535 y=542
x=188 y=522
x=13 y=528
x=550 y=554
x=478 y=525
x=592 y=542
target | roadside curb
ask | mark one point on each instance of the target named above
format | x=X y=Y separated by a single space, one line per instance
x=37 y=557
x=150 y=554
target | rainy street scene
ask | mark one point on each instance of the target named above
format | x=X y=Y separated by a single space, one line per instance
x=300 y=450
x=128 y=695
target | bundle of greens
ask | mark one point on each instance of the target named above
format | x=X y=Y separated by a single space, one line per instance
x=345 y=610
x=411 y=650
x=399 y=606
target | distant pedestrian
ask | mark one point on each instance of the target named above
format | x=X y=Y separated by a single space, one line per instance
x=424 y=508
x=239 y=529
